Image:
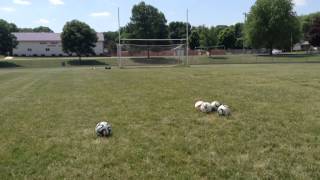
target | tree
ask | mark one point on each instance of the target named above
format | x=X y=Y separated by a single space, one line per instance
x=227 y=38
x=306 y=23
x=194 y=40
x=207 y=36
x=219 y=28
x=314 y=33
x=25 y=30
x=239 y=34
x=13 y=27
x=42 y=29
x=110 y=41
x=238 y=30
x=7 y=40
x=178 y=30
x=147 y=22
x=77 y=37
x=272 y=24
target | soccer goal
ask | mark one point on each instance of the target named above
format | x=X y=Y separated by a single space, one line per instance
x=212 y=50
x=152 y=52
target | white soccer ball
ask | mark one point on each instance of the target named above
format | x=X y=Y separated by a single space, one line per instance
x=198 y=105
x=103 y=129
x=215 y=105
x=205 y=107
x=224 y=110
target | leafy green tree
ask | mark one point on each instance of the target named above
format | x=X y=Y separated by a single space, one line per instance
x=177 y=30
x=314 y=33
x=219 y=28
x=239 y=34
x=227 y=38
x=25 y=30
x=77 y=37
x=238 y=30
x=194 y=40
x=306 y=23
x=272 y=24
x=7 y=40
x=147 y=22
x=111 y=40
x=13 y=27
x=207 y=36
x=42 y=29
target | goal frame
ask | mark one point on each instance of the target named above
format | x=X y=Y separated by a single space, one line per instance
x=120 y=45
x=159 y=40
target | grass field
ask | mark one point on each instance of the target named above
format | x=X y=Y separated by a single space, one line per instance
x=48 y=117
x=47 y=62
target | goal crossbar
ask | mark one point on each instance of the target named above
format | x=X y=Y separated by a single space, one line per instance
x=165 y=45
x=153 y=39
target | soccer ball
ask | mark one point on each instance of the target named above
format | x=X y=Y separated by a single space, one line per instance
x=198 y=105
x=103 y=129
x=215 y=105
x=224 y=110
x=205 y=107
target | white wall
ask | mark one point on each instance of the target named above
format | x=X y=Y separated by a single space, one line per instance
x=39 y=49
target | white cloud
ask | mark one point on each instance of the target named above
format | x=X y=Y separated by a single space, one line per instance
x=22 y=2
x=7 y=9
x=300 y=2
x=42 y=21
x=100 y=14
x=56 y=2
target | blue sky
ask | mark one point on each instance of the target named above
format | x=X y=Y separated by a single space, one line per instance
x=102 y=14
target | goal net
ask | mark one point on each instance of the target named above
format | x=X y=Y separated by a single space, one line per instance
x=151 y=52
x=211 y=50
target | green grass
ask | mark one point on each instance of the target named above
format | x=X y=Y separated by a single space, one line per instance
x=48 y=117
x=47 y=62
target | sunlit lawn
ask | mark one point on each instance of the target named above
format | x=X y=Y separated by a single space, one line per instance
x=48 y=116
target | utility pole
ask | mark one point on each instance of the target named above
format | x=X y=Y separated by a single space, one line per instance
x=291 y=43
x=119 y=45
x=187 y=43
x=245 y=19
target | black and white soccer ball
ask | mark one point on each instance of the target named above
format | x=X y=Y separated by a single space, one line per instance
x=198 y=104
x=206 y=107
x=103 y=129
x=224 y=110
x=215 y=105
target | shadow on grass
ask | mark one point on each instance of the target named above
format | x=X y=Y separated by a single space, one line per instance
x=285 y=55
x=218 y=58
x=154 y=60
x=5 y=64
x=86 y=63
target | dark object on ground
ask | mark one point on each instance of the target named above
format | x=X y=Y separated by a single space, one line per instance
x=107 y=67
x=5 y=64
x=86 y=63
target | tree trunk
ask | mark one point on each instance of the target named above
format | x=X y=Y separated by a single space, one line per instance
x=270 y=50
x=79 y=59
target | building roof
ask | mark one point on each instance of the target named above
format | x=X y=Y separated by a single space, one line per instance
x=36 y=37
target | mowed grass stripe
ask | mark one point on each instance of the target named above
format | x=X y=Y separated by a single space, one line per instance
x=272 y=132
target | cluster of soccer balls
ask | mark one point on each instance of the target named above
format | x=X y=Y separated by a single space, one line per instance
x=103 y=129
x=215 y=106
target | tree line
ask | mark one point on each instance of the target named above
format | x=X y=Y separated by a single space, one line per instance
x=269 y=24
